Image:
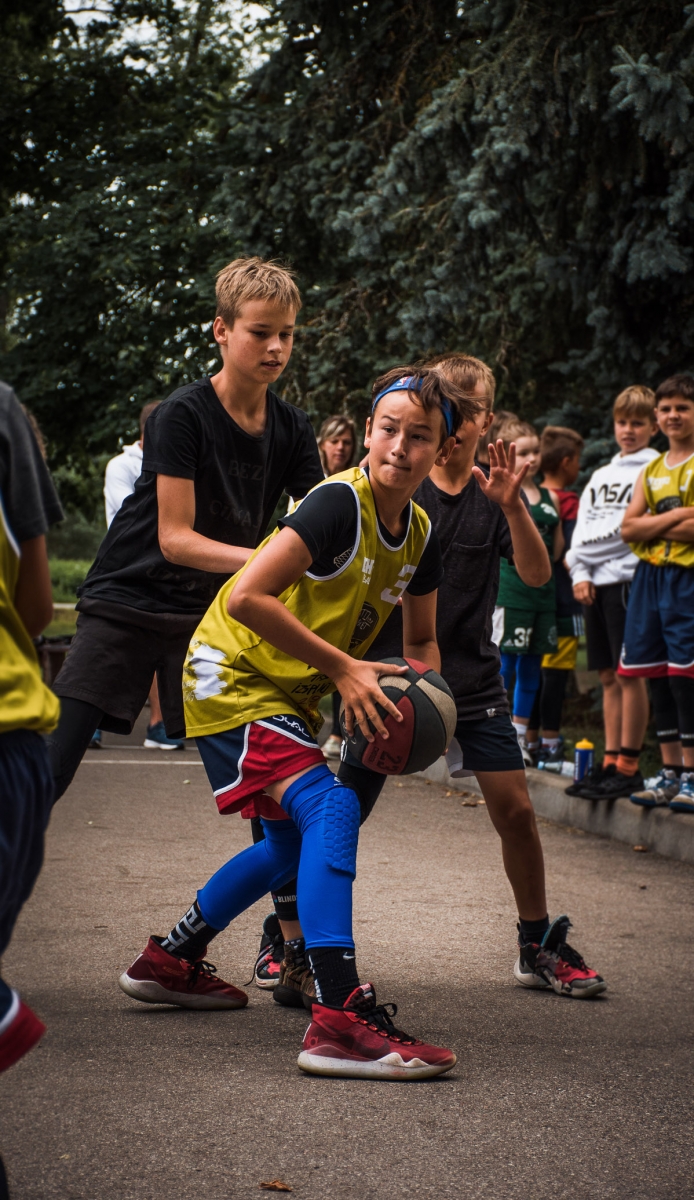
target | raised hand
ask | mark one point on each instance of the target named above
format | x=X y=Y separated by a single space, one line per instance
x=504 y=483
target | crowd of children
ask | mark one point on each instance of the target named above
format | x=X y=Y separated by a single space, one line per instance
x=245 y=635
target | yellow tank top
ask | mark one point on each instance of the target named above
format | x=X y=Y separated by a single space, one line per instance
x=232 y=676
x=25 y=701
x=665 y=488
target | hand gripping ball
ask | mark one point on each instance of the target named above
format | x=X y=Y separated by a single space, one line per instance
x=427 y=705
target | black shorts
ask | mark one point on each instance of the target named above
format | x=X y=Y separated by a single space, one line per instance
x=489 y=744
x=111 y=664
x=605 y=619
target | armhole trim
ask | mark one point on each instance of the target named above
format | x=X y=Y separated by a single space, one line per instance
x=357 y=540
x=381 y=538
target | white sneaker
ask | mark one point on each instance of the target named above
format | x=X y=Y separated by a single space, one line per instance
x=333 y=746
x=658 y=791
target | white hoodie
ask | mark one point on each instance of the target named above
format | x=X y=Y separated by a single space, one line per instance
x=122 y=473
x=597 y=551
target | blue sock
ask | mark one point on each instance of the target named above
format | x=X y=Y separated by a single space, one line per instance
x=528 y=675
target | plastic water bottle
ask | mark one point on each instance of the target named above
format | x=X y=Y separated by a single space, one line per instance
x=583 y=759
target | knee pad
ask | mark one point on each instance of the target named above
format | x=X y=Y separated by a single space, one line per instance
x=367 y=784
x=341 y=820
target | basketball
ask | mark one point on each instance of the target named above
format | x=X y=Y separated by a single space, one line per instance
x=428 y=708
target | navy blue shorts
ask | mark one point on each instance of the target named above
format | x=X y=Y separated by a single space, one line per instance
x=489 y=744
x=659 y=629
x=26 y=799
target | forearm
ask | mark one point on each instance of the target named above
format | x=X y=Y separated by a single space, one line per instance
x=187 y=548
x=268 y=617
x=530 y=556
x=427 y=652
x=684 y=531
x=649 y=526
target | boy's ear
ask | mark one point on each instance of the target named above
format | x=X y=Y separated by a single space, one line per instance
x=445 y=452
x=220 y=331
x=367 y=435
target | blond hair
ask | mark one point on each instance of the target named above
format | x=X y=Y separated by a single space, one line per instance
x=332 y=427
x=466 y=372
x=635 y=401
x=510 y=428
x=254 y=278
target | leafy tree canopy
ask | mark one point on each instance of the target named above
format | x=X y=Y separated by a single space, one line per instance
x=507 y=177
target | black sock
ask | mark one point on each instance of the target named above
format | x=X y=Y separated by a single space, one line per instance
x=285 y=902
x=190 y=937
x=335 y=972
x=533 y=931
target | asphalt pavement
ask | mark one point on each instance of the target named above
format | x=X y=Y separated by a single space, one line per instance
x=550 y=1099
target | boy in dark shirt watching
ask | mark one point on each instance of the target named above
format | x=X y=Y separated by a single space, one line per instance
x=479 y=518
x=217 y=456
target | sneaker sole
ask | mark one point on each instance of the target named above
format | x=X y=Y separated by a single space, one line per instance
x=390 y=1067
x=153 y=993
x=681 y=806
x=649 y=803
x=530 y=980
x=267 y=985
x=150 y=745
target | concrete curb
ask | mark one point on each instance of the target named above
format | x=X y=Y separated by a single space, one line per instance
x=664 y=832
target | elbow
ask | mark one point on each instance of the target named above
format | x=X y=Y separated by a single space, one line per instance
x=625 y=533
x=38 y=619
x=240 y=606
x=168 y=544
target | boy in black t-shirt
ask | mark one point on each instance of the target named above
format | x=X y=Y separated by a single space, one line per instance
x=480 y=518
x=218 y=454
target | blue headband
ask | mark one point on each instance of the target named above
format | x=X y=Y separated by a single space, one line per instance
x=411 y=383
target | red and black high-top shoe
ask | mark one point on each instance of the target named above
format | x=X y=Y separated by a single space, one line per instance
x=360 y=1041
x=554 y=963
x=157 y=977
x=270 y=955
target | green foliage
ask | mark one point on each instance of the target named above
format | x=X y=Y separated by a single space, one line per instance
x=508 y=177
x=66 y=576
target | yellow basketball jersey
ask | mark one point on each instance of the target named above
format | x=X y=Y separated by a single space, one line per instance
x=232 y=676
x=665 y=488
x=25 y=701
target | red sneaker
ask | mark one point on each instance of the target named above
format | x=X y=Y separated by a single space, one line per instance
x=361 y=1042
x=20 y=1029
x=554 y=963
x=157 y=977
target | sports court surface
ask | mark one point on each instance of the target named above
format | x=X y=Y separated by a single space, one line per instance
x=550 y=1099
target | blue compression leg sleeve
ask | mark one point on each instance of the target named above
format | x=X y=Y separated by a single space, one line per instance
x=528 y=675
x=263 y=867
x=327 y=815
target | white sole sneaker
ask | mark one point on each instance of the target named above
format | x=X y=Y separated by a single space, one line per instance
x=392 y=1066
x=528 y=979
x=150 y=745
x=150 y=992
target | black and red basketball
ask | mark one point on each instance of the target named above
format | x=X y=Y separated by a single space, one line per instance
x=428 y=708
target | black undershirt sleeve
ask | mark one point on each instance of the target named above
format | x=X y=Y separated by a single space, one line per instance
x=429 y=573
x=327 y=522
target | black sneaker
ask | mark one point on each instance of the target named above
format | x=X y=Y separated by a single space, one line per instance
x=597 y=775
x=614 y=786
x=267 y=966
x=296 y=987
x=555 y=964
x=551 y=756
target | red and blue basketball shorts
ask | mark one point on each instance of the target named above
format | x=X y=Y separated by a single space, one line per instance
x=241 y=762
x=659 y=628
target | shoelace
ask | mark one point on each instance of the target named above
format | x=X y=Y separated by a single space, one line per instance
x=380 y=1019
x=206 y=969
x=567 y=954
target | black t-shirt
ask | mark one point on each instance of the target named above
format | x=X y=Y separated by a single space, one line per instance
x=30 y=500
x=327 y=522
x=238 y=480
x=474 y=536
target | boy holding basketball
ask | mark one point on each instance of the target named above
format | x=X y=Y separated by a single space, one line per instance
x=481 y=518
x=286 y=630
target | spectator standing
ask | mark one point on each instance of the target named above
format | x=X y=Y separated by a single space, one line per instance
x=659 y=628
x=337 y=444
x=560 y=464
x=122 y=473
x=602 y=567
x=525 y=621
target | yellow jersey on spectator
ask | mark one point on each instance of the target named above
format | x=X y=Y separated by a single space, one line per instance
x=667 y=487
